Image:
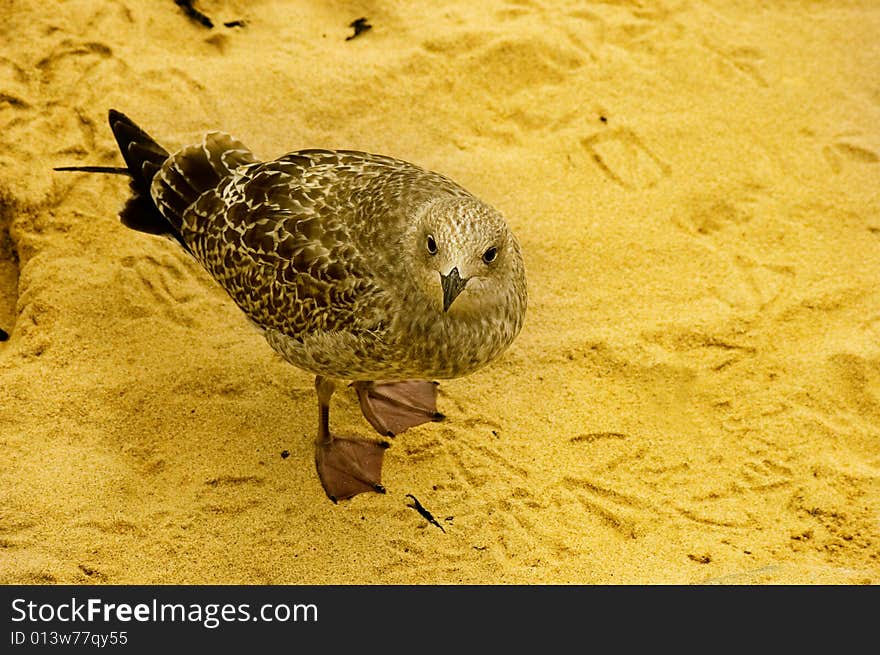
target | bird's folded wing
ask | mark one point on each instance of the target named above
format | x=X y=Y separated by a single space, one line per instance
x=283 y=255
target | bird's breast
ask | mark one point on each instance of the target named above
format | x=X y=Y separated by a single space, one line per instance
x=445 y=345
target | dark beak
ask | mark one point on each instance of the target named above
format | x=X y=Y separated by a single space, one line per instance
x=452 y=286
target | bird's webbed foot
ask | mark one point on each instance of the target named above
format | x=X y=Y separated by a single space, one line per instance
x=348 y=466
x=393 y=406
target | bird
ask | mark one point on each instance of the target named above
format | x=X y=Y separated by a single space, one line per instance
x=356 y=267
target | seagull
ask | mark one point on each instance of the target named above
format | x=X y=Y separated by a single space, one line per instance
x=354 y=266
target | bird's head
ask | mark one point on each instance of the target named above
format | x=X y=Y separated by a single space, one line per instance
x=466 y=260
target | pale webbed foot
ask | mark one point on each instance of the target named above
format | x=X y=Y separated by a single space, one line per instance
x=392 y=407
x=349 y=466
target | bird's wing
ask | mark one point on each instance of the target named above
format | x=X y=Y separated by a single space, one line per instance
x=275 y=240
x=188 y=173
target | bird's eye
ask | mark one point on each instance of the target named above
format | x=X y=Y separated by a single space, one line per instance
x=490 y=255
x=432 y=245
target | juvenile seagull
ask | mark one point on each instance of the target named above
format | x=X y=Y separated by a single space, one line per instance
x=355 y=266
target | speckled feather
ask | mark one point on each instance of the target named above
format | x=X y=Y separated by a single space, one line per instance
x=312 y=247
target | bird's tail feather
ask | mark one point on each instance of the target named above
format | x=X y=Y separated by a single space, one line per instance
x=164 y=186
x=143 y=157
x=114 y=170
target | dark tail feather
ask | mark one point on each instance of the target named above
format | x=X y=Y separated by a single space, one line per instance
x=115 y=170
x=142 y=154
x=144 y=157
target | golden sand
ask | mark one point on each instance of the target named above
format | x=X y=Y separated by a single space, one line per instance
x=695 y=396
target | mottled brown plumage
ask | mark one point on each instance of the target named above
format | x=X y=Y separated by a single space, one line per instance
x=356 y=266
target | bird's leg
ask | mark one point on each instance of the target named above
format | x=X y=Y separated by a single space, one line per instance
x=347 y=466
x=392 y=407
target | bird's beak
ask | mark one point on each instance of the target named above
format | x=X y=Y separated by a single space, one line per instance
x=452 y=286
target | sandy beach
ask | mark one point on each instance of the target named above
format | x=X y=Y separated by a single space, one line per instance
x=694 y=398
